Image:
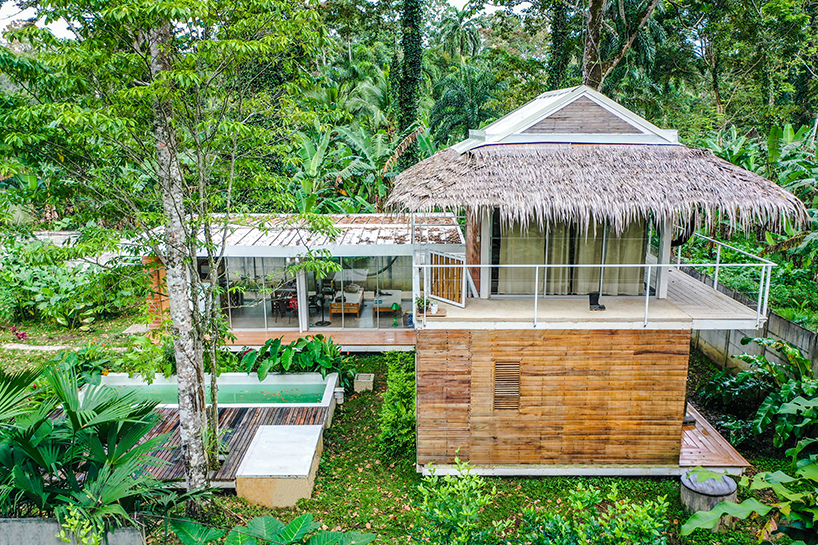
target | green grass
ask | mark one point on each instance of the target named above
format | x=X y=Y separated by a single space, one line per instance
x=356 y=489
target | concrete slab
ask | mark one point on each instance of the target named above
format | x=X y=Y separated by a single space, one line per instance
x=136 y=329
x=280 y=465
x=281 y=451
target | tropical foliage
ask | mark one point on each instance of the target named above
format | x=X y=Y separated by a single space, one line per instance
x=91 y=458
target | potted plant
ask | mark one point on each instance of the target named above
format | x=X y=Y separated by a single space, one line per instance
x=422 y=304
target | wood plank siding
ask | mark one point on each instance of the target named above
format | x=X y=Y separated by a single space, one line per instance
x=583 y=116
x=606 y=397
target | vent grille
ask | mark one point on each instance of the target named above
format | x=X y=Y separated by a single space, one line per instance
x=507 y=385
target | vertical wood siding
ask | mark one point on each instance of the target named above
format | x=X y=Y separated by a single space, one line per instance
x=586 y=396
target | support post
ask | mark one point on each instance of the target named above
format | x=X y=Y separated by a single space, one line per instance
x=485 y=254
x=663 y=259
x=303 y=301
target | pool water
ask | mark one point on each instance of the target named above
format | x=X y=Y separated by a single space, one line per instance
x=239 y=394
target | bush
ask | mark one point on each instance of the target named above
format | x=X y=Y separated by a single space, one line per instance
x=767 y=391
x=38 y=282
x=622 y=522
x=304 y=355
x=397 y=418
x=89 y=459
x=450 y=509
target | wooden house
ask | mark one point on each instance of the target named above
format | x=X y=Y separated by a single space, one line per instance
x=569 y=197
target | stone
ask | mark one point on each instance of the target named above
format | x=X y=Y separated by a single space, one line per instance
x=364 y=382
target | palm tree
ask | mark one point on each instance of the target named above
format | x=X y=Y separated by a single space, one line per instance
x=459 y=33
x=462 y=102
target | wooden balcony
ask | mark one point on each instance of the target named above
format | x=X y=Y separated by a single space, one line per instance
x=690 y=304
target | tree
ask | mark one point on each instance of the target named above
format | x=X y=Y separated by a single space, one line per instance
x=595 y=66
x=459 y=33
x=463 y=102
x=560 y=47
x=410 y=74
x=158 y=110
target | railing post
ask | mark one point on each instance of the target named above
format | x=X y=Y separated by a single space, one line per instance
x=718 y=264
x=536 y=292
x=679 y=256
x=425 y=292
x=767 y=291
x=647 y=294
x=761 y=283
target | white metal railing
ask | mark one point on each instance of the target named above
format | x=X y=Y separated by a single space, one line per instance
x=652 y=272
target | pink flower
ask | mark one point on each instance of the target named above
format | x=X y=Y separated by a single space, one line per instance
x=14 y=329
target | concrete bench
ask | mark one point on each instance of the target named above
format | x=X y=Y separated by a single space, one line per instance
x=279 y=467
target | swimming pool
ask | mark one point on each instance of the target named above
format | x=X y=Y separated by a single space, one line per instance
x=239 y=389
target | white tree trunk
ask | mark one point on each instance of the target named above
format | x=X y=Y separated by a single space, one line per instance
x=187 y=342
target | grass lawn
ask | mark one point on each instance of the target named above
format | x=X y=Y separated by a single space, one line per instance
x=356 y=489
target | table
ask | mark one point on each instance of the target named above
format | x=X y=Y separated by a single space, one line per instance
x=385 y=299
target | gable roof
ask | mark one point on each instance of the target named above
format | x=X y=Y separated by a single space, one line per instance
x=576 y=115
x=574 y=155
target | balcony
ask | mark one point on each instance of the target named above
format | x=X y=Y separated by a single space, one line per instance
x=674 y=299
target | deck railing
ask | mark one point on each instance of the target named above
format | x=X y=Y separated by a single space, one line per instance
x=651 y=271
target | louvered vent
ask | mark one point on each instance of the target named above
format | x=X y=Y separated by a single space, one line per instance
x=507 y=384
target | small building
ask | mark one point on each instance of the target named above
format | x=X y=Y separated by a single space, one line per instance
x=366 y=305
x=562 y=337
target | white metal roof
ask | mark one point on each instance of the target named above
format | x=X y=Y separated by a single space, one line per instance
x=358 y=235
x=510 y=128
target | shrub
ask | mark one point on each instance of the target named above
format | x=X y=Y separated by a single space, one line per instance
x=38 y=282
x=314 y=353
x=90 y=459
x=768 y=389
x=450 y=509
x=621 y=522
x=397 y=418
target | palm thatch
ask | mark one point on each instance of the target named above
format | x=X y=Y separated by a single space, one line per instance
x=592 y=184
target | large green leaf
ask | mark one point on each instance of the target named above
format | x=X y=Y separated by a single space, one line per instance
x=240 y=536
x=325 y=538
x=266 y=528
x=296 y=529
x=357 y=538
x=14 y=392
x=709 y=519
x=190 y=532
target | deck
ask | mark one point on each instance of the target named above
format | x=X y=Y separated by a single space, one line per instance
x=240 y=424
x=690 y=304
x=704 y=446
x=348 y=339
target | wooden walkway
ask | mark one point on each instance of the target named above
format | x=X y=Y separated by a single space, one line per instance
x=240 y=425
x=704 y=446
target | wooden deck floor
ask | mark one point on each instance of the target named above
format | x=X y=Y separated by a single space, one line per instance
x=704 y=446
x=702 y=303
x=345 y=337
x=240 y=425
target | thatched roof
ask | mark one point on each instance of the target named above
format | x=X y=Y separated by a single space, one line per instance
x=617 y=183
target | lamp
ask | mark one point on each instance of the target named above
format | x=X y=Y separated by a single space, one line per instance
x=395 y=309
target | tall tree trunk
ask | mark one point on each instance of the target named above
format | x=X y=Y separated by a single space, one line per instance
x=187 y=343
x=591 y=60
x=594 y=68
x=560 y=54
x=409 y=97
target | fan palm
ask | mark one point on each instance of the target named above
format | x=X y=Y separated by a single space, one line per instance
x=463 y=102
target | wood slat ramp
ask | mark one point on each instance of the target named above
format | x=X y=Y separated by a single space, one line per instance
x=704 y=446
x=240 y=425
